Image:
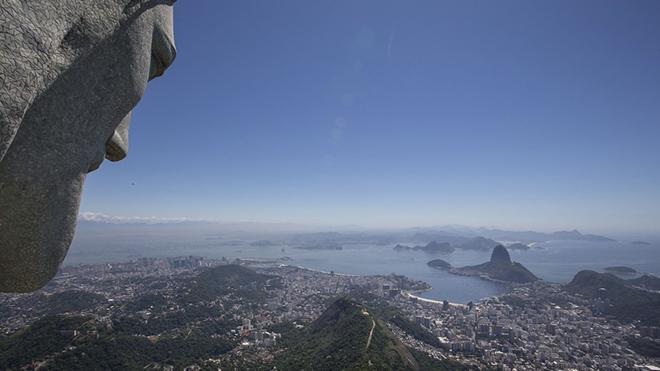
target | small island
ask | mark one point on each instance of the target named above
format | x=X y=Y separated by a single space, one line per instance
x=500 y=268
x=518 y=246
x=647 y=282
x=620 y=270
x=431 y=247
x=264 y=243
x=439 y=264
x=321 y=246
x=642 y=243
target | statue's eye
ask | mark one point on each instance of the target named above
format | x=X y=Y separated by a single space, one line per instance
x=163 y=53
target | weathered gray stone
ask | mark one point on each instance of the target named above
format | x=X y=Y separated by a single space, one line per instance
x=71 y=71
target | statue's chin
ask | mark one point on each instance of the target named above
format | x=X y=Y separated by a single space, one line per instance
x=37 y=222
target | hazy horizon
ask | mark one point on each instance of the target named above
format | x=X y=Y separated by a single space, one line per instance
x=302 y=227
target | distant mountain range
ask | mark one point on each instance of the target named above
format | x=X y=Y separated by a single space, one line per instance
x=475 y=243
x=448 y=232
x=478 y=243
x=297 y=234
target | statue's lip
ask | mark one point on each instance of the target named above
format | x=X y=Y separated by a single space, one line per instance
x=116 y=149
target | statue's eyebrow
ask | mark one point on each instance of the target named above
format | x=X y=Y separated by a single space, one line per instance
x=142 y=5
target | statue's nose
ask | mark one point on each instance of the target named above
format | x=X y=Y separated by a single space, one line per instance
x=163 y=52
x=116 y=148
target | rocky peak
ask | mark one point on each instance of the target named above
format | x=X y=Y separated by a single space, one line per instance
x=500 y=255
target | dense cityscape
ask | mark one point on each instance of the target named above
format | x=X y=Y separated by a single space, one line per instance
x=537 y=325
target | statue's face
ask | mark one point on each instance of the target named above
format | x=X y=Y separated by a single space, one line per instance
x=75 y=95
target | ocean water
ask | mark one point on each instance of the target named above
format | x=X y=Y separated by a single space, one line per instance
x=555 y=261
x=558 y=261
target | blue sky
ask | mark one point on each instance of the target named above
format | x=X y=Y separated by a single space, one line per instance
x=513 y=114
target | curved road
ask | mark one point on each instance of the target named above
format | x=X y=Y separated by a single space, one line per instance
x=371 y=333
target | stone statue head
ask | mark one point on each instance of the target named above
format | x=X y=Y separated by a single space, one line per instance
x=71 y=71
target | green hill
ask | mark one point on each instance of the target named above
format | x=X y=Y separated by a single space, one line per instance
x=229 y=279
x=347 y=336
x=38 y=340
x=91 y=345
x=617 y=297
x=72 y=301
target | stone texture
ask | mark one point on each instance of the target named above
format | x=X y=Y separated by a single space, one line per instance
x=71 y=71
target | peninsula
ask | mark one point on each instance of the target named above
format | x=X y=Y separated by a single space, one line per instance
x=499 y=268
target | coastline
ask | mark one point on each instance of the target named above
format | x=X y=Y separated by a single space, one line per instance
x=280 y=263
x=414 y=295
x=320 y=271
x=411 y=294
x=480 y=275
x=456 y=271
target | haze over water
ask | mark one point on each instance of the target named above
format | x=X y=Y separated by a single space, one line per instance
x=555 y=261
